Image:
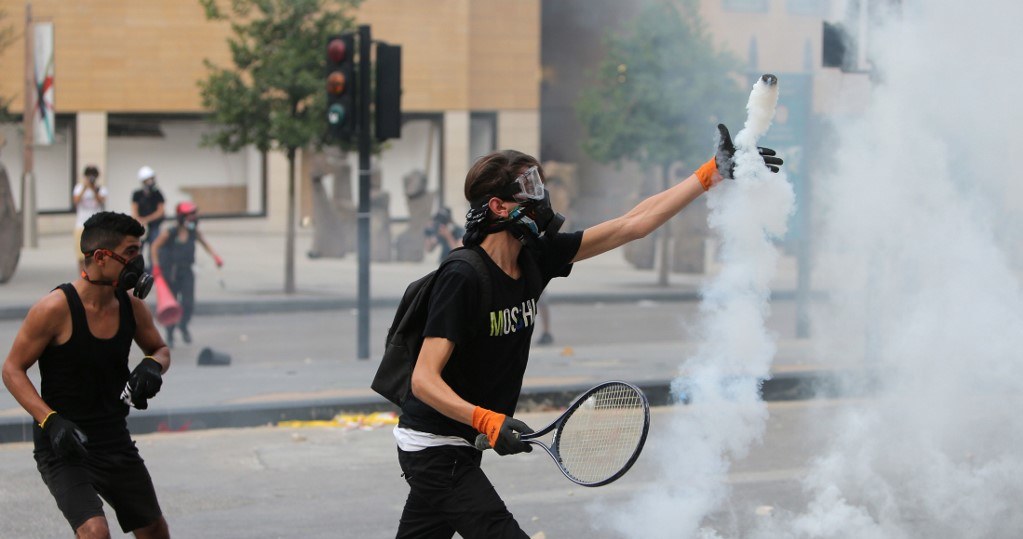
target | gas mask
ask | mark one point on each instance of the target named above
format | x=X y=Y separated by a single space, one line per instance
x=534 y=216
x=133 y=275
x=530 y=220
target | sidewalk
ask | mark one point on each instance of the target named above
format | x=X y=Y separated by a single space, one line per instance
x=252 y=279
x=260 y=392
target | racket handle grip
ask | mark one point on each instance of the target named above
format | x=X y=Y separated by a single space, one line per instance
x=482 y=443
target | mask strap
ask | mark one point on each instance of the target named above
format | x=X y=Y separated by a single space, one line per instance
x=100 y=283
x=109 y=253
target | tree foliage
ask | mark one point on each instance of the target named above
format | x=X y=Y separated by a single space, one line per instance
x=660 y=90
x=273 y=95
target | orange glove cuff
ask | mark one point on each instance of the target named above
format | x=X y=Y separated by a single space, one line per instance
x=488 y=423
x=707 y=173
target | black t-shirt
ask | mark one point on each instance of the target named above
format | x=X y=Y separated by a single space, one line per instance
x=148 y=200
x=492 y=343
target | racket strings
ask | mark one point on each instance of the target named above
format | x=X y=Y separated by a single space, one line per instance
x=601 y=436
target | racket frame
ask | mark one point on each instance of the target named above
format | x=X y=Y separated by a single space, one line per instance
x=532 y=438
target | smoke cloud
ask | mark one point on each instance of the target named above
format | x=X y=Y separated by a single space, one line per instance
x=922 y=288
x=917 y=246
x=721 y=381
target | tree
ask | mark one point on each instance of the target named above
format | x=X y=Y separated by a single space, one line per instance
x=658 y=94
x=274 y=96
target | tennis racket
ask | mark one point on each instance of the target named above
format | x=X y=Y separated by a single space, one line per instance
x=599 y=437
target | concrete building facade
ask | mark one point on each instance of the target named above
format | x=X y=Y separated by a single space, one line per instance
x=477 y=75
x=126 y=96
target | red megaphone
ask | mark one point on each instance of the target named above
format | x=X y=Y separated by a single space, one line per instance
x=168 y=310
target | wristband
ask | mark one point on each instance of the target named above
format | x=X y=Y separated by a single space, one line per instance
x=488 y=422
x=42 y=424
x=706 y=173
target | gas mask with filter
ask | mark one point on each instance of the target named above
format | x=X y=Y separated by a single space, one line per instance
x=534 y=215
x=530 y=220
x=133 y=275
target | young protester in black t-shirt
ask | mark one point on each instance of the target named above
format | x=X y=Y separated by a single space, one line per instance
x=81 y=335
x=469 y=371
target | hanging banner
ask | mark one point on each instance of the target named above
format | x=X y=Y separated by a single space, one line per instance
x=44 y=127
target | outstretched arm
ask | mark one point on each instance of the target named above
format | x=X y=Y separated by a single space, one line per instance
x=640 y=220
x=656 y=210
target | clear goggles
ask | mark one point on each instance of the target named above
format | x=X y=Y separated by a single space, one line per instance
x=530 y=185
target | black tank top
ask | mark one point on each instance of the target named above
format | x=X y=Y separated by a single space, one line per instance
x=177 y=253
x=82 y=379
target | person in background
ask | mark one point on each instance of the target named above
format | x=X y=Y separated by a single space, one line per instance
x=173 y=256
x=444 y=233
x=147 y=208
x=90 y=197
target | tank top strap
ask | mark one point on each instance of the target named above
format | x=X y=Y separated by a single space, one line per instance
x=79 y=324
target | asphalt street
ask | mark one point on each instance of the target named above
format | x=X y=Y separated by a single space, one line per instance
x=271 y=482
x=281 y=357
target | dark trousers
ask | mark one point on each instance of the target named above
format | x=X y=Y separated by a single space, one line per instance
x=152 y=231
x=449 y=493
x=182 y=284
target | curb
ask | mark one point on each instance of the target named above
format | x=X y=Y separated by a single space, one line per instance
x=783 y=387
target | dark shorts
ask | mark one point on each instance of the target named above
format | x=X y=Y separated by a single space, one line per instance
x=449 y=493
x=116 y=473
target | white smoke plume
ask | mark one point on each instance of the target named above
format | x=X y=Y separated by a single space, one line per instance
x=918 y=243
x=721 y=380
x=923 y=294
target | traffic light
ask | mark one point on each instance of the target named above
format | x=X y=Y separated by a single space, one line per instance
x=388 y=91
x=341 y=116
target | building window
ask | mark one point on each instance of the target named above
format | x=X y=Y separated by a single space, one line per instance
x=746 y=6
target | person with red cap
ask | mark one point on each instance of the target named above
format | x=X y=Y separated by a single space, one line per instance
x=173 y=256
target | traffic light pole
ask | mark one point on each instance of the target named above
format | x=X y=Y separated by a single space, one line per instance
x=364 y=185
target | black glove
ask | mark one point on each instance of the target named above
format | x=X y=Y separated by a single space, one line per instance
x=145 y=382
x=725 y=155
x=508 y=442
x=66 y=439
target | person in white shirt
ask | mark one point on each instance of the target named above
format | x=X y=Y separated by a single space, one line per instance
x=89 y=197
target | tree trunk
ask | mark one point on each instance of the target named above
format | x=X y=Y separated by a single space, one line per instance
x=665 y=233
x=289 y=240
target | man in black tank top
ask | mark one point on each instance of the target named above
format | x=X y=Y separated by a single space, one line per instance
x=81 y=335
